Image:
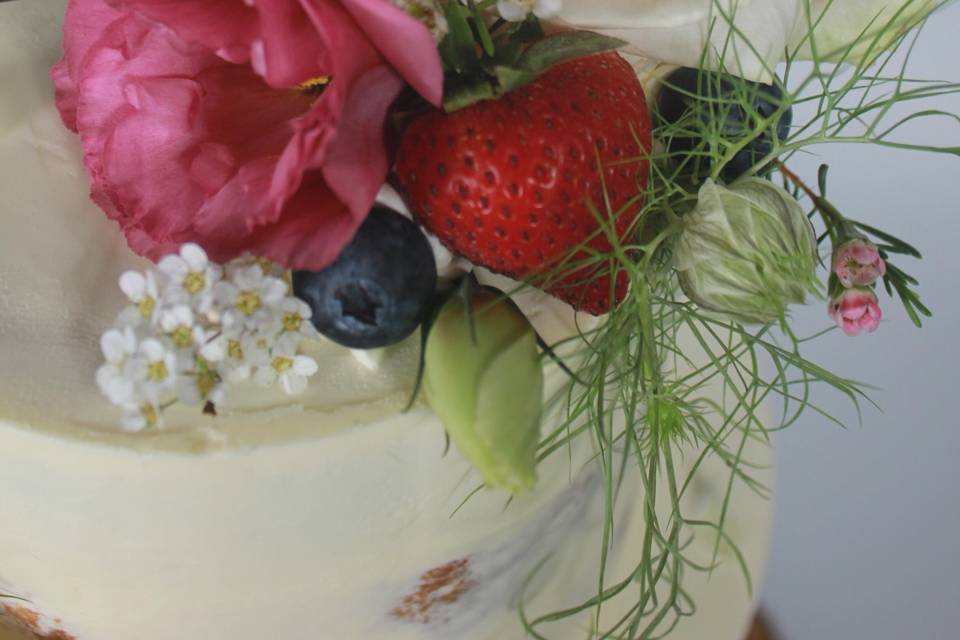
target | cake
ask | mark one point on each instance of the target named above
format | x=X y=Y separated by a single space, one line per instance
x=442 y=319
x=332 y=515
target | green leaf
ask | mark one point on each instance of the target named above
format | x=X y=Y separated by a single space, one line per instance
x=566 y=46
x=896 y=244
x=488 y=393
x=460 y=93
x=822 y=179
x=511 y=78
x=481 y=26
x=458 y=49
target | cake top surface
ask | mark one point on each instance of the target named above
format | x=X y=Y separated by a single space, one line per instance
x=59 y=266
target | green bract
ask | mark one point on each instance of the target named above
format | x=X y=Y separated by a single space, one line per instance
x=746 y=251
x=484 y=380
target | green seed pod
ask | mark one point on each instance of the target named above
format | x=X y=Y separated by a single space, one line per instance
x=486 y=385
x=746 y=251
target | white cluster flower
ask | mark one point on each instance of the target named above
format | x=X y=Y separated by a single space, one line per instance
x=517 y=10
x=193 y=328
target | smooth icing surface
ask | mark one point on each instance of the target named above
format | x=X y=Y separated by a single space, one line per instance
x=330 y=516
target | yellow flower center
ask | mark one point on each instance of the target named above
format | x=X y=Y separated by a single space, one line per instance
x=265 y=265
x=146 y=307
x=292 y=321
x=157 y=371
x=149 y=414
x=282 y=363
x=234 y=350
x=249 y=302
x=314 y=87
x=195 y=282
x=182 y=337
x=207 y=377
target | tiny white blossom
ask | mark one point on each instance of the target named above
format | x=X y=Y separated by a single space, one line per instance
x=193 y=328
x=178 y=325
x=517 y=10
x=285 y=366
x=190 y=276
x=292 y=317
x=249 y=297
x=156 y=369
x=214 y=349
x=227 y=351
x=113 y=378
x=140 y=416
x=257 y=347
x=234 y=367
x=202 y=384
x=142 y=291
x=117 y=345
x=267 y=266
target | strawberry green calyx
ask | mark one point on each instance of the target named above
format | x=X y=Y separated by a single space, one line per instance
x=485 y=59
x=484 y=380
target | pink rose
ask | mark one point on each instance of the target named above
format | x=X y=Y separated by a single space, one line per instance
x=855 y=310
x=858 y=262
x=195 y=129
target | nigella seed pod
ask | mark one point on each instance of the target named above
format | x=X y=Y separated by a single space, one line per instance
x=746 y=251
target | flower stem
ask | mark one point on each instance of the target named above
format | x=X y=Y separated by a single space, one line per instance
x=828 y=211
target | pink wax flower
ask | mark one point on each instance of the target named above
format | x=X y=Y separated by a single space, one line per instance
x=857 y=262
x=855 y=310
x=212 y=121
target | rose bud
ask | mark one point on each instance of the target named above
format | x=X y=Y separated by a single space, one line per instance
x=855 y=310
x=746 y=251
x=857 y=262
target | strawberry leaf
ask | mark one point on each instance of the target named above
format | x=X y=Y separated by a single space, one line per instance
x=508 y=52
x=458 y=48
x=565 y=46
x=483 y=33
x=461 y=92
x=511 y=78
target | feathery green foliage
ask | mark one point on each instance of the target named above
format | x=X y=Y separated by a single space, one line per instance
x=644 y=400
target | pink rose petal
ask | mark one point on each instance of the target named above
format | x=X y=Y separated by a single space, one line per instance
x=194 y=130
x=405 y=42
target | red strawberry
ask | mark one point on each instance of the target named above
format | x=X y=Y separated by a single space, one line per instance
x=506 y=182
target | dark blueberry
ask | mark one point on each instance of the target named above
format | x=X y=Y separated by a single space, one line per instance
x=380 y=287
x=694 y=103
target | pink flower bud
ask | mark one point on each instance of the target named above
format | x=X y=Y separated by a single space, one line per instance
x=857 y=262
x=855 y=310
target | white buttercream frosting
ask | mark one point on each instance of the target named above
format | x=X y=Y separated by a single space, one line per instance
x=327 y=516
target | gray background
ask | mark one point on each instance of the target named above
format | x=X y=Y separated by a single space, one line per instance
x=868 y=520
